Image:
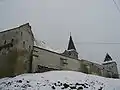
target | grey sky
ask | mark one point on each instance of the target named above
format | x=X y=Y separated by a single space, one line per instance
x=52 y=20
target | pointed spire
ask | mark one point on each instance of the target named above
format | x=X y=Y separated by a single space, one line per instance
x=107 y=58
x=71 y=43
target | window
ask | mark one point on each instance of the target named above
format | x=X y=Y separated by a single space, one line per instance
x=35 y=50
x=69 y=53
x=21 y=33
x=11 y=45
x=63 y=61
x=23 y=44
x=35 y=55
x=5 y=42
x=12 y=40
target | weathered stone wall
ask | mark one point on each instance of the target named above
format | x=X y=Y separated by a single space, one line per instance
x=15 y=47
x=25 y=46
x=112 y=66
x=91 y=68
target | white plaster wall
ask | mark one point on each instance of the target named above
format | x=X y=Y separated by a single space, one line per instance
x=52 y=60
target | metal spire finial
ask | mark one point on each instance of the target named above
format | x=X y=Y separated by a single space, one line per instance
x=70 y=33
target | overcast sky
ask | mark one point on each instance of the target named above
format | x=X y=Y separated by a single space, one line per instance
x=53 y=20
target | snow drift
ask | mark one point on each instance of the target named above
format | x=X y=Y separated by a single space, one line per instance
x=59 y=80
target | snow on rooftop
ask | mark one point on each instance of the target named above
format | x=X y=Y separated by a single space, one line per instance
x=42 y=44
x=59 y=80
x=109 y=62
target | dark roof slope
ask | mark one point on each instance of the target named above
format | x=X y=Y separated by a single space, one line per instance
x=107 y=58
x=71 y=44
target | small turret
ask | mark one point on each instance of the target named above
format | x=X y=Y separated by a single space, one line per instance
x=107 y=58
x=111 y=65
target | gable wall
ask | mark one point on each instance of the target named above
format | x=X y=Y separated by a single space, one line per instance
x=12 y=54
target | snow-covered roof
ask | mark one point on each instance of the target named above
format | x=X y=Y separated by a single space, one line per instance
x=44 y=45
x=107 y=62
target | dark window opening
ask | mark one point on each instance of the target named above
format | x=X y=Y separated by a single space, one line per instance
x=21 y=33
x=5 y=42
x=69 y=53
x=35 y=50
x=11 y=45
x=23 y=43
x=12 y=40
x=35 y=55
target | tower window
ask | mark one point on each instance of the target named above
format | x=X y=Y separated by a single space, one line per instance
x=69 y=53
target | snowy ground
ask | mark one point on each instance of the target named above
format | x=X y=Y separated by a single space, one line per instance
x=59 y=80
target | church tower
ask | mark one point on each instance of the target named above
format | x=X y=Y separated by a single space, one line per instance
x=111 y=65
x=71 y=50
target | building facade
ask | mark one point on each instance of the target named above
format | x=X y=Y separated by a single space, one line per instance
x=19 y=55
x=15 y=49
